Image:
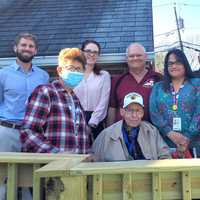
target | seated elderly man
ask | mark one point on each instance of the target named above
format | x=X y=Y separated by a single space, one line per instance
x=130 y=138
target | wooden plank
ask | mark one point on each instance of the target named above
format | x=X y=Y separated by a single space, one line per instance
x=83 y=187
x=36 y=188
x=112 y=183
x=25 y=178
x=127 y=187
x=97 y=187
x=186 y=185
x=171 y=185
x=36 y=183
x=142 y=186
x=10 y=157
x=195 y=184
x=58 y=167
x=136 y=166
x=156 y=186
x=3 y=172
x=74 y=188
x=112 y=186
x=12 y=182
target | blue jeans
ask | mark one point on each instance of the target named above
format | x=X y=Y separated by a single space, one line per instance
x=10 y=142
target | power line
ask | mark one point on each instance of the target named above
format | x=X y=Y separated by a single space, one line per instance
x=198 y=50
x=167 y=45
x=190 y=5
x=178 y=27
x=166 y=33
x=165 y=48
x=191 y=43
x=174 y=44
x=197 y=27
x=174 y=30
x=161 y=5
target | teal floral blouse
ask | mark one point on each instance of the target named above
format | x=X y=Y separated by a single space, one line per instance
x=188 y=109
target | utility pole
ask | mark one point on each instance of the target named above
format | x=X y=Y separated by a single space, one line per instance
x=178 y=28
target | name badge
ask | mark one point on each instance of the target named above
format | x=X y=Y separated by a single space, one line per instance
x=177 y=124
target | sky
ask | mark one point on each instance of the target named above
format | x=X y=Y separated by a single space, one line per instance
x=164 y=17
x=165 y=22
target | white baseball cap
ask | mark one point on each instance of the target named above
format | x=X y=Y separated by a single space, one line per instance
x=133 y=97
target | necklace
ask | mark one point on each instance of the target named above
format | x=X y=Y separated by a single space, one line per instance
x=175 y=96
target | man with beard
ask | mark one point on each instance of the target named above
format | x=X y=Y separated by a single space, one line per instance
x=16 y=84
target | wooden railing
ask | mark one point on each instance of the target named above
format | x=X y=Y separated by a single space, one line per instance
x=129 y=180
x=67 y=177
x=18 y=168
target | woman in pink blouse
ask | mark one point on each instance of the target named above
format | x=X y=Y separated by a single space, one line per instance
x=94 y=91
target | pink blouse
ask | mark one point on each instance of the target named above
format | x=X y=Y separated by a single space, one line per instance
x=94 y=93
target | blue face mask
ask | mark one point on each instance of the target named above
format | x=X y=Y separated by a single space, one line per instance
x=71 y=79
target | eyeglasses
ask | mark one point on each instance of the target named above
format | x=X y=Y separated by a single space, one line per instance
x=89 y=51
x=132 y=111
x=170 y=63
x=73 y=68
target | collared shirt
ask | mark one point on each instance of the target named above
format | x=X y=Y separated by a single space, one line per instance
x=94 y=93
x=188 y=109
x=16 y=86
x=49 y=122
x=129 y=84
x=130 y=138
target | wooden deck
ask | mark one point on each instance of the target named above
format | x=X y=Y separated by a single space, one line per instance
x=75 y=179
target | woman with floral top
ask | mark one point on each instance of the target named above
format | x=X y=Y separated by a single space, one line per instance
x=175 y=102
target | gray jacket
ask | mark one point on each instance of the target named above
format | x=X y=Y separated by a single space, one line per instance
x=110 y=145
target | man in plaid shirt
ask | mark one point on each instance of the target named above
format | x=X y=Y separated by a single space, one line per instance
x=54 y=119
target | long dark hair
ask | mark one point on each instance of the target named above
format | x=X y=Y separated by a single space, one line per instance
x=97 y=68
x=181 y=57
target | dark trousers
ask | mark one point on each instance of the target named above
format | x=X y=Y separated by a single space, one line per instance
x=95 y=131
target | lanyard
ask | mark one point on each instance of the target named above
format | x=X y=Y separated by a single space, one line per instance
x=175 y=96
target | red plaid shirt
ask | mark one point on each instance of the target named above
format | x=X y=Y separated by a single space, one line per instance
x=49 y=125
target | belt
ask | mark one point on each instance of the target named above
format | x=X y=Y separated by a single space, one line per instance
x=10 y=124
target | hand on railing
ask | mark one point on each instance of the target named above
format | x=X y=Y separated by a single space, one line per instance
x=91 y=158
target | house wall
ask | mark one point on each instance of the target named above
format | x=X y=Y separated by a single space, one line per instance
x=5 y=3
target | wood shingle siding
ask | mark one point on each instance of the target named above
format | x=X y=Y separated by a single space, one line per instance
x=63 y=23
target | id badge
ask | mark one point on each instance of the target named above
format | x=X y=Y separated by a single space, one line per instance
x=177 y=124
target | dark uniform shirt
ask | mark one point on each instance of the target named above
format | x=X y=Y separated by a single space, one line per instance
x=124 y=84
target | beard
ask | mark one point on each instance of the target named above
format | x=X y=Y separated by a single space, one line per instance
x=24 y=58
